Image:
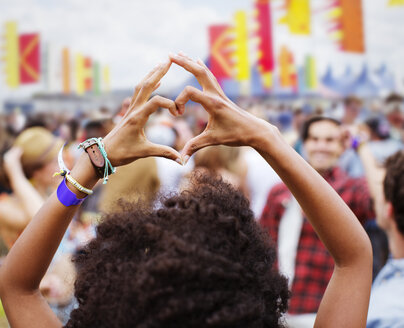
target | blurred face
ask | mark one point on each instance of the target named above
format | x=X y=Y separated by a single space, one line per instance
x=323 y=145
x=353 y=108
x=44 y=176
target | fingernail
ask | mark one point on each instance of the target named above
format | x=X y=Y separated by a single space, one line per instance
x=185 y=159
x=179 y=161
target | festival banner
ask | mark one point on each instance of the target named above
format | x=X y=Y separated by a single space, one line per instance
x=66 y=70
x=10 y=55
x=106 y=78
x=395 y=3
x=30 y=67
x=346 y=25
x=96 y=77
x=266 y=60
x=220 y=62
x=88 y=74
x=241 y=55
x=297 y=17
x=79 y=70
x=52 y=67
x=310 y=73
x=287 y=69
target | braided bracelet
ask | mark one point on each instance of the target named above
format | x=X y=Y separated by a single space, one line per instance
x=95 y=149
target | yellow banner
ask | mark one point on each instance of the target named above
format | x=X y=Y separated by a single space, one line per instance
x=297 y=17
x=241 y=44
x=396 y=3
x=12 y=55
x=79 y=65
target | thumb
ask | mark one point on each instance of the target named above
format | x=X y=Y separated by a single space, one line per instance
x=192 y=146
x=163 y=151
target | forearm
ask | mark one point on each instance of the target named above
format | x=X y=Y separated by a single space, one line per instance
x=31 y=255
x=31 y=201
x=332 y=219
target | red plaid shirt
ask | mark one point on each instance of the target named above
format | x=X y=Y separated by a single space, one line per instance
x=314 y=265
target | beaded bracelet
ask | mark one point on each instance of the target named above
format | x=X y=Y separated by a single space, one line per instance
x=78 y=185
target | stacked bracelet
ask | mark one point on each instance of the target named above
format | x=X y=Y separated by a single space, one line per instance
x=63 y=193
x=78 y=185
x=94 y=147
x=66 y=196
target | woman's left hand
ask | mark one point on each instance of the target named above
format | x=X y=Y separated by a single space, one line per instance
x=127 y=141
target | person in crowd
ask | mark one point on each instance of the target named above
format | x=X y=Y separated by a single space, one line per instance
x=226 y=162
x=352 y=110
x=386 y=308
x=301 y=254
x=380 y=142
x=349 y=160
x=393 y=109
x=164 y=131
x=29 y=166
x=200 y=260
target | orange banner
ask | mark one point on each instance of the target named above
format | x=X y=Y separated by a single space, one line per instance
x=346 y=25
x=352 y=24
x=66 y=70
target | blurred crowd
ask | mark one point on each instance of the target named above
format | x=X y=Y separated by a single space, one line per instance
x=327 y=133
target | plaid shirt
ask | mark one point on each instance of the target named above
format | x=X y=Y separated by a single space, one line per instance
x=314 y=265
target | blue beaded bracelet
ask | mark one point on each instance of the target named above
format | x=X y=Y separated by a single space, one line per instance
x=66 y=196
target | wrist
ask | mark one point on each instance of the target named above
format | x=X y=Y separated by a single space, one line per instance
x=266 y=136
x=84 y=173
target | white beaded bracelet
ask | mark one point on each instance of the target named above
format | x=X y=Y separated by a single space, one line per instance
x=78 y=185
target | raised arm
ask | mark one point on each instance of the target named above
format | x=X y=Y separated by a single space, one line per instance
x=375 y=176
x=345 y=302
x=31 y=255
x=28 y=197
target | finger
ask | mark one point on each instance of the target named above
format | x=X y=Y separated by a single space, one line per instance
x=139 y=86
x=196 y=69
x=163 y=151
x=213 y=78
x=183 y=54
x=149 y=84
x=194 y=94
x=192 y=146
x=156 y=102
x=157 y=86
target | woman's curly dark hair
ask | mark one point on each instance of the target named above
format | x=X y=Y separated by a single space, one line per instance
x=394 y=186
x=200 y=260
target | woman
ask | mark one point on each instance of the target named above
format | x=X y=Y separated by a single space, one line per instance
x=133 y=274
x=29 y=166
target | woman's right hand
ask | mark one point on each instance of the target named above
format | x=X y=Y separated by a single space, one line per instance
x=228 y=124
x=12 y=161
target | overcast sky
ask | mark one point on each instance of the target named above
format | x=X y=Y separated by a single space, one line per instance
x=133 y=35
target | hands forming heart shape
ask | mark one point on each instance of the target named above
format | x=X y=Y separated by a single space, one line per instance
x=228 y=124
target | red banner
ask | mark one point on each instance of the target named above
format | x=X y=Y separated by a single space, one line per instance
x=266 y=61
x=220 y=53
x=29 y=58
